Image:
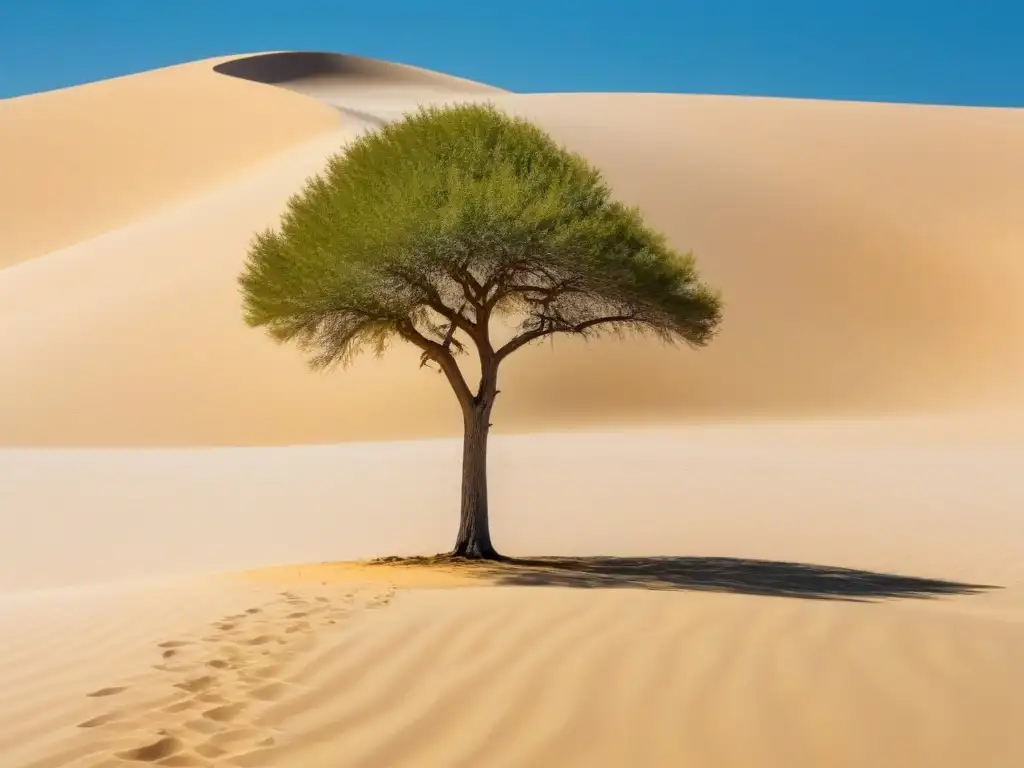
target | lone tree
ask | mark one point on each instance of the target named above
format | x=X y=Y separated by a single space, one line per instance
x=431 y=227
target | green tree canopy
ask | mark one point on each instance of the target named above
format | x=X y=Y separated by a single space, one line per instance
x=430 y=227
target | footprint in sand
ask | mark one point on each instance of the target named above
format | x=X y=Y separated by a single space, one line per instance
x=181 y=706
x=335 y=616
x=112 y=691
x=262 y=640
x=182 y=761
x=269 y=672
x=251 y=659
x=100 y=720
x=203 y=727
x=229 y=741
x=211 y=751
x=270 y=692
x=197 y=685
x=159 y=750
x=225 y=713
x=380 y=601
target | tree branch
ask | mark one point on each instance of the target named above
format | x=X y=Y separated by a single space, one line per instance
x=434 y=301
x=440 y=354
x=478 y=331
x=501 y=281
x=470 y=287
x=548 y=326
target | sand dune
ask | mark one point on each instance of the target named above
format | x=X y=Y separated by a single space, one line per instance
x=866 y=391
x=708 y=658
x=364 y=90
x=84 y=160
x=383 y=667
x=866 y=253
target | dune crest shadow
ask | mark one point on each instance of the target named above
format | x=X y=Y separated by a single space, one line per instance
x=720 y=574
x=295 y=68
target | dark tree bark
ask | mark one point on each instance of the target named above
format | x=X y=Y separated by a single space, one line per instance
x=474 y=538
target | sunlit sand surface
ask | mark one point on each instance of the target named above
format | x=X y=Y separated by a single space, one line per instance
x=802 y=546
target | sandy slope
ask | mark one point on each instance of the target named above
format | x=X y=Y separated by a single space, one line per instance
x=500 y=676
x=867 y=254
x=934 y=497
x=60 y=650
x=653 y=670
x=518 y=677
x=80 y=161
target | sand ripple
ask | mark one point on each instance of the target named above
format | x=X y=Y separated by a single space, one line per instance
x=336 y=674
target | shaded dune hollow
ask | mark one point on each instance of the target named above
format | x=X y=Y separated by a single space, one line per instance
x=313 y=72
x=867 y=254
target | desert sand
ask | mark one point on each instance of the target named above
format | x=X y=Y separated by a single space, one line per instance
x=867 y=254
x=815 y=527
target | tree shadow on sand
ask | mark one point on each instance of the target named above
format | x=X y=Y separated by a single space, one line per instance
x=707 y=574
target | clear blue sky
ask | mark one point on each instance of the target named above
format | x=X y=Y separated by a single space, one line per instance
x=932 y=51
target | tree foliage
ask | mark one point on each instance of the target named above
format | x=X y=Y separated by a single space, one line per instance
x=432 y=226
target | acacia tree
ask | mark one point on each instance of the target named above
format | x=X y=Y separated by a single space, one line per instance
x=433 y=226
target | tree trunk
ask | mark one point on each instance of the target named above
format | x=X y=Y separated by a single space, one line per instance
x=474 y=539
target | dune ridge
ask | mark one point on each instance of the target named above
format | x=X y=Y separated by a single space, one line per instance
x=303 y=71
x=83 y=160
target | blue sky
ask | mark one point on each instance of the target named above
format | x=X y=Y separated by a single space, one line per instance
x=938 y=51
